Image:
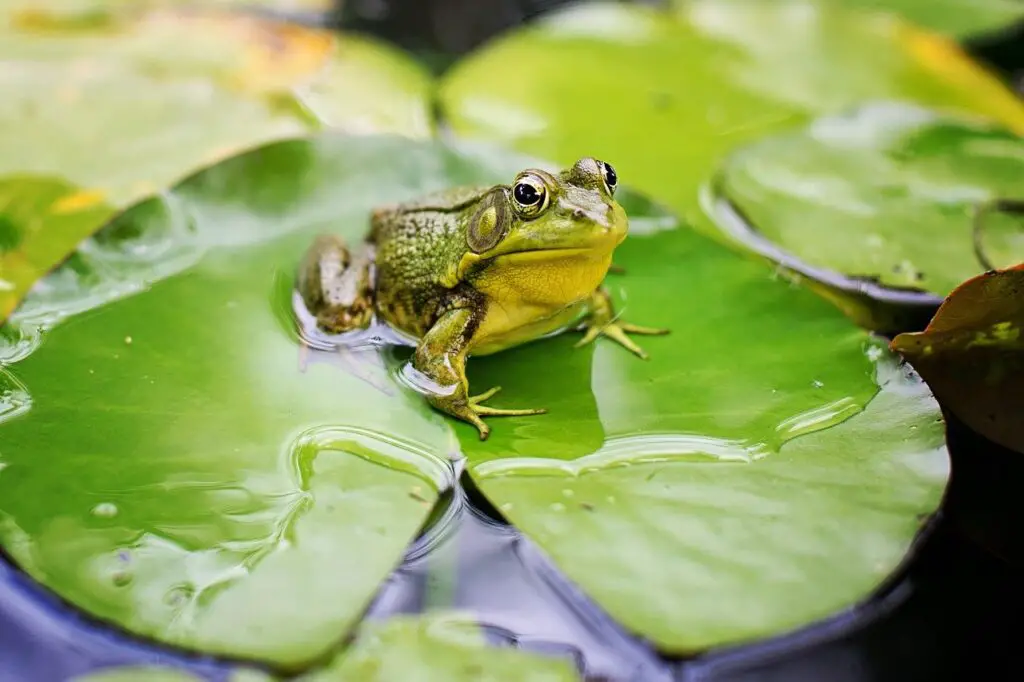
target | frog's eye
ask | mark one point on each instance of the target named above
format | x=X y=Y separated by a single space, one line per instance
x=531 y=196
x=611 y=178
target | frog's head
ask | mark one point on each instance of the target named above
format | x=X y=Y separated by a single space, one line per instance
x=544 y=215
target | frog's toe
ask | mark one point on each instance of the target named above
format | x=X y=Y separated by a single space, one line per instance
x=486 y=411
x=498 y=412
x=617 y=334
x=474 y=400
x=589 y=335
x=480 y=425
x=645 y=331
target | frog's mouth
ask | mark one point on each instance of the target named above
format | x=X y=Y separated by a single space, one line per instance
x=588 y=258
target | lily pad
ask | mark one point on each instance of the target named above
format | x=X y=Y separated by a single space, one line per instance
x=960 y=18
x=878 y=200
x=175 y=461
x=667 y=95
x=441 y=648
x=972 y=355
x=767 y=467
x=91 y=11
x=126 y=104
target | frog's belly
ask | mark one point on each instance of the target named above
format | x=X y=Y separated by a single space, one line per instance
x=501 y=329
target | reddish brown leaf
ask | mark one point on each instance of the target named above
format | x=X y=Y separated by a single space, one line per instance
x=972 y=354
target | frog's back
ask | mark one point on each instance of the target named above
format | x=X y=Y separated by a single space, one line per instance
x=415 y=243
x=451 y=199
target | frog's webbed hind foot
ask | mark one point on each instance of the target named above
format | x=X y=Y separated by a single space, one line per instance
x=470 y=410
x=336 y=286
x=441 y=358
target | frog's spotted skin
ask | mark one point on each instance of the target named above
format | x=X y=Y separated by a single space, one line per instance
x=476 y=270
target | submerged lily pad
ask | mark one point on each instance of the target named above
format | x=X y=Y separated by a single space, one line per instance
x=123 y=105
x=171 y=429
x=880 y=200
x=441 y=648
x=445 y=647
x=667 y=95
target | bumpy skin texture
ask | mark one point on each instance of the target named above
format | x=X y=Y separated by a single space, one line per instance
x=476 y=270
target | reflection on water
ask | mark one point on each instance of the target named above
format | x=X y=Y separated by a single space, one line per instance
x=628 y=450
x=817 y=418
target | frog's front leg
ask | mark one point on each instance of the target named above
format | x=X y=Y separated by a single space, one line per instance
x=441 y=357
x=602 y=321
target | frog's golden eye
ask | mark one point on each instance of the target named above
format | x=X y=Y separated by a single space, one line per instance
x=531 y=195
x=610 y=177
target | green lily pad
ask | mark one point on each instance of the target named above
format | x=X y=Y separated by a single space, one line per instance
x=441 y=648
x=202 y=85
x=666 y=95
x=175 y=461
x=960 y=18
x=767 y=467
x=885 y=195
x=86 y=9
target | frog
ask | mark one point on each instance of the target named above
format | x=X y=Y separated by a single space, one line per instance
x=475 y=270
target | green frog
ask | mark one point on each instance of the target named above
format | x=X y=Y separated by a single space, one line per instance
x=476 y=270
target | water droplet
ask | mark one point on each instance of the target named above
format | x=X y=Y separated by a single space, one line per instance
x=568 y=493
x=558 y=507
x=817 y=384
x=610 y=499
x=179 y=594
x=121 y=578
x=506 y=506
x=105 y=510
x=128 y=340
